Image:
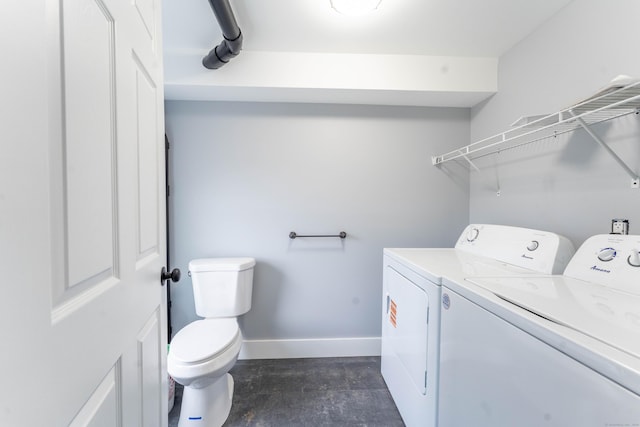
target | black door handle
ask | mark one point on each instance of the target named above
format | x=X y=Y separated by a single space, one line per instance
x=174 y=276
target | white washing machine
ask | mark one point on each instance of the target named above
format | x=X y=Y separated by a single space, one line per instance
x=411 y=302
x=551 y=351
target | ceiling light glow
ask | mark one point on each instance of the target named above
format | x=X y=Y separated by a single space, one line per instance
x=355 y=7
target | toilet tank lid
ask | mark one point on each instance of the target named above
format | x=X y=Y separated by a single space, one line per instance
x=221 y=264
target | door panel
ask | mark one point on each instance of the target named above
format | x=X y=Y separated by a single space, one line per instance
x=103 y=407
x=149 y=342
x=408 y=336
x=146 y=14
x=148 y=157
x=410 y=342
x=86 y=143
x=82 y=235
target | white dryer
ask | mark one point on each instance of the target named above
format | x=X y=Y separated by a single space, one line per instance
x=411 y=302
x=551 y=351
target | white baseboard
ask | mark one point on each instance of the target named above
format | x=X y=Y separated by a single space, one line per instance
x=301 y=348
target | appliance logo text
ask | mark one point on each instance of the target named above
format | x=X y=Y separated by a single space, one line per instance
x=602 y=270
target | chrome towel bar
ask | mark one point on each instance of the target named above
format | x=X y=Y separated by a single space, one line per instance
x=293 y=235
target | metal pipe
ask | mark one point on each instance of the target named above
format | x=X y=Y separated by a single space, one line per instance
x=232 y=44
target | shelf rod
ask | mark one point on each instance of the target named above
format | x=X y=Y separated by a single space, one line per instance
x=341 y=235
x=604 y=145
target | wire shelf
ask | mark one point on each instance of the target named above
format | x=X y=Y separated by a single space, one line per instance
x=616 y=100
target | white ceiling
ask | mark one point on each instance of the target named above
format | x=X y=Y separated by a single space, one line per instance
x=409 y=27
x=407 y=52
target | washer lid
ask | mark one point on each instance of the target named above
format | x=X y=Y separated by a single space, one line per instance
x=203 y=339
x=603 y=313
x=221 y=264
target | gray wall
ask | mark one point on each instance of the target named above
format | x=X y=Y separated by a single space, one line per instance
x=567 y=184
x=246 y=174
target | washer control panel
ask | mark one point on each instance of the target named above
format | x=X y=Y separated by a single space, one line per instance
x=540 y=251
x=612 y=260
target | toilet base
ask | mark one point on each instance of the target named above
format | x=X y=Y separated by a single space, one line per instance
x=209 y=406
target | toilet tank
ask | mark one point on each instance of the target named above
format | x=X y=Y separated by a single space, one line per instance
x=222 y=287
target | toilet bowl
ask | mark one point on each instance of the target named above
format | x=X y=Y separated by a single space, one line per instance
x=203 y=352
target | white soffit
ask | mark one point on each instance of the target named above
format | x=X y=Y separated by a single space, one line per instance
x=334 y=78
x=407 y=52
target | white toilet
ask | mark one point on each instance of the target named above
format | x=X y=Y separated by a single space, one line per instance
x=203 y=352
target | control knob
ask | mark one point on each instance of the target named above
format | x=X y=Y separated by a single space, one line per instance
x=607 y=254
x=634 y=258
x=472 y=234
x=533 y=245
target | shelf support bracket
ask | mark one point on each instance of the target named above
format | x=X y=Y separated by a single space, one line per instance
x=635 y=179
x=464 y=156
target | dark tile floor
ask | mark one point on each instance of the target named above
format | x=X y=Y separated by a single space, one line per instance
x=345 y=391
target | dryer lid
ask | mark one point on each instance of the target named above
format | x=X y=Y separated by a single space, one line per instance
x=203 y=339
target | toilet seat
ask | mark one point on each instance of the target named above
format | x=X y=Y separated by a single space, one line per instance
x=204 y=340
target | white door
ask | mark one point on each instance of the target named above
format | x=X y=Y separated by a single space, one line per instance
x=82 y=237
